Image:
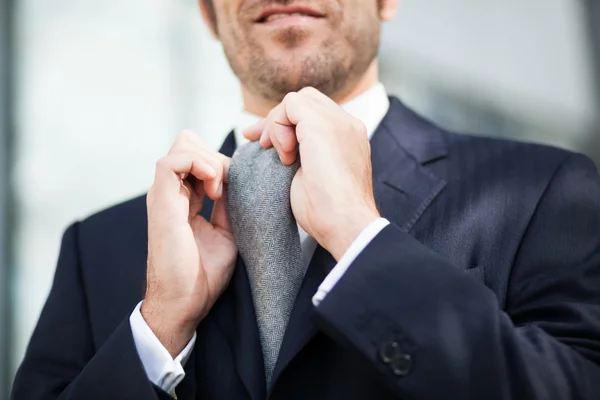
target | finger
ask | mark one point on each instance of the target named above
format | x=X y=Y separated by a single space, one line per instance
x=226 y=163
x=182 y=141
x=199 y=188
x=170 y=168
x=330 y=107
x=193 y=139
x=319 y=97
x=254 y=132
x=196 y=198
x=278 y=124
x=213 y=187
x=301 y=110
x=265 y=139
x=275 y=134
x=187 y=144
x=278 y=114
x=285 y=137
x=188 y=140
x=222 y=160
x=219 y=217
x=284 y=142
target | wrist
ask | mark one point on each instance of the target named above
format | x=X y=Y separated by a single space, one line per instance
x=347 y=230
x=170 y=329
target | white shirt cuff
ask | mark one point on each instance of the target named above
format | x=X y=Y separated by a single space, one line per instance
x=162 y=370
x=357 y=246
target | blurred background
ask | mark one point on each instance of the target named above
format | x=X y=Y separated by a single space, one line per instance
x=92 y=93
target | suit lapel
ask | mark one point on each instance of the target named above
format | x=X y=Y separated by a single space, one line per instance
x=236 y=317
x=400 y=149
x=403 y=187
x=301 y=328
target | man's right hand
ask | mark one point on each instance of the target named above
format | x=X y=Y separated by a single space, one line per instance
x=190 y=260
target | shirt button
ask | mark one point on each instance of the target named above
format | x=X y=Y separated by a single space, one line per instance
x=401 y=365
x=389 y=352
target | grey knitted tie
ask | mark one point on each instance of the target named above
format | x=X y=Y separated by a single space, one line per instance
x=267 y=237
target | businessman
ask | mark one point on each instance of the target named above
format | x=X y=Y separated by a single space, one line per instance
x=350 y=249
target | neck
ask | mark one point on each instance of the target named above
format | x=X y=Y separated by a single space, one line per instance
x=255 y=104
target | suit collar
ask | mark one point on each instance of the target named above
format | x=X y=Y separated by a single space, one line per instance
x=302 y=326
x=419 y=137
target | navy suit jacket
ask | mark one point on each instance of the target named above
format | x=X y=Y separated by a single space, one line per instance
x=486 y=285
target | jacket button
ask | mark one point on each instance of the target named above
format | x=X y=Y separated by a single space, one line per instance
x=401 y=365
x=389 y=352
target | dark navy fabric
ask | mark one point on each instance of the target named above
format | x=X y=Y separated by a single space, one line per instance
x=486 y=285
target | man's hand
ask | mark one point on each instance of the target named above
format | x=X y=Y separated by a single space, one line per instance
x=190 y=260
x=332 y=192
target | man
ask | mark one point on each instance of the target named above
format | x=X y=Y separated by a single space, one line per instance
x=433 y=265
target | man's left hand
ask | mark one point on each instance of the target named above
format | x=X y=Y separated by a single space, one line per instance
x=332 y=192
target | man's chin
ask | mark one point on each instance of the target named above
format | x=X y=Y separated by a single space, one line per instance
x=295 y=38
x=291 y=76
x=300 y=52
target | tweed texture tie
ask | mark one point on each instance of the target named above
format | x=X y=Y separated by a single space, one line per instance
x=258 y=203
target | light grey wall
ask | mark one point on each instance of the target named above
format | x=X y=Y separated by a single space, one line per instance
x=528 y=60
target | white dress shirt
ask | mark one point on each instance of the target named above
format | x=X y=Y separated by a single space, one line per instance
x=164 y=371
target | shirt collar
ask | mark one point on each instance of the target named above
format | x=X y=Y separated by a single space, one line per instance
x=370 y=107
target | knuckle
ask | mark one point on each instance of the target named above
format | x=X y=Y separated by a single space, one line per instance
x=308 y=90
x=291 y=96
x=179 y=138
x=182 y=140
x=187 y=133
x=162 y=163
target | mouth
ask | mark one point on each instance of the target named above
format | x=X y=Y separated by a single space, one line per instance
x=284 y=15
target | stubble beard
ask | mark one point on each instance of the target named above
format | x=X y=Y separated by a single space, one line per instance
x=331 y=68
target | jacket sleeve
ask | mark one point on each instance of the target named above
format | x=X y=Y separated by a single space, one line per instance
x=62 y=362
x=433 y=332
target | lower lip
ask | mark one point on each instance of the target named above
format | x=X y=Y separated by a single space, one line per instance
x=291 y=20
